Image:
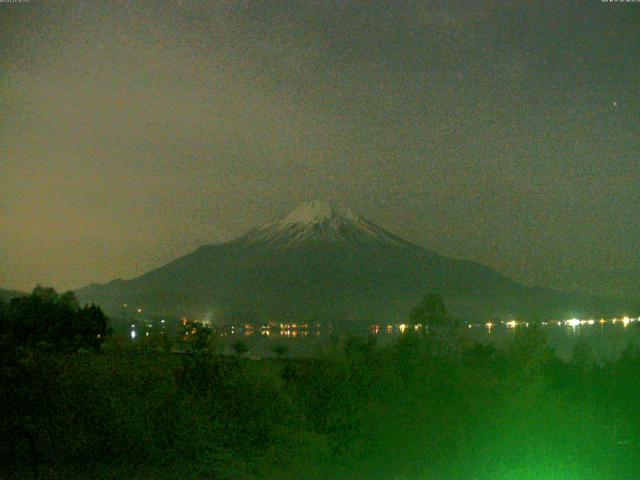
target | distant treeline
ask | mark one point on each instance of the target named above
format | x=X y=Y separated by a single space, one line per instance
x=48 y=321
x=428 y=406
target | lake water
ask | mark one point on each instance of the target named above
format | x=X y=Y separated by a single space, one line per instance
x=607 y=341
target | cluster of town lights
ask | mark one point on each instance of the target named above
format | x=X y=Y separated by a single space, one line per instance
x=304 y=329
x=572 y=322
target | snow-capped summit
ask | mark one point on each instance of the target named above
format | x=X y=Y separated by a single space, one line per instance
x=317 y=211
x=318 y=221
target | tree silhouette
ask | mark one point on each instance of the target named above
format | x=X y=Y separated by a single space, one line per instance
x=430 y=312
x=280 y=350
x=196 y=337
x=46 y=320
x=91 y=327
x=239 y=347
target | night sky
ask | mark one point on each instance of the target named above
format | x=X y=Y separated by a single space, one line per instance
x=503 y=132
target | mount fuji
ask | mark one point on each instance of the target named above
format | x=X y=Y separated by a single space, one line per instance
x=322 y=263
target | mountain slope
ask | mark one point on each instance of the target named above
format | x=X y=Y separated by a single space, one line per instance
x=322 y=263
x=7 y=295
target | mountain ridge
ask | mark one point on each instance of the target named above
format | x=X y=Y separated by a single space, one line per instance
x=7 y=295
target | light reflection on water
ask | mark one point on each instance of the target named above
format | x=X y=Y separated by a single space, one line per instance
x=607 y=340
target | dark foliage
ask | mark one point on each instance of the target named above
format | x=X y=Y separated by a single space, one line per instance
x=239 y=347
x=51 y=322
x=363 y=411
x=430 y=312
